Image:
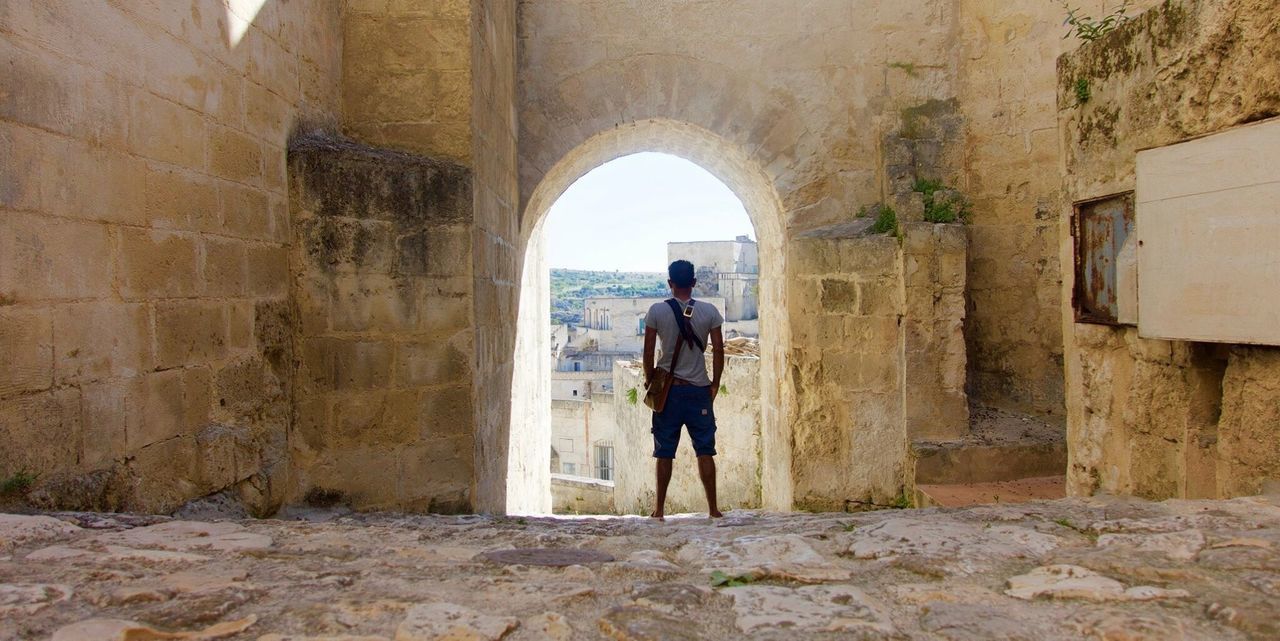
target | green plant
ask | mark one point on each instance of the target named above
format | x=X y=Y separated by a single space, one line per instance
x=1083 y=92
x=1087 y=28
x=886 y=221
x=949 y=208
x=633 y=396
x=724 y=390
x=902 y=502
x=19 y=483
x=721 y=580
x=907 y=67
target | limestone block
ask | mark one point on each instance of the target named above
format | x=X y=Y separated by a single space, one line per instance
x=436 y=251
x=371 y=303
x=110 y=411
x=224 y=267
x=840 y=296
x=435 y=476
x=26 y=338
x=445 y=411
x=44 y=259
x=339 y=364
x=154 y=263
x=85 y=354
x=246 y=211
x=176 y=199
x=166 y=131
x=880 y=298
x=268 y=268
x=225 y=455
x=433 y=363
x=175 y=402
x=235 y=156
x=266 y=113
x=45 y=428
x=348 y=245
x=382 y=418
x=190 y=333
x=68 y=98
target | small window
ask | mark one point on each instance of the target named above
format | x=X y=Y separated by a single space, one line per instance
x=640 y=326
x=575 y=392
x=569 y=468
x=604 y=462
x=1100 y=228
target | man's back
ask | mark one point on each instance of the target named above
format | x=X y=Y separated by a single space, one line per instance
x=692 y=366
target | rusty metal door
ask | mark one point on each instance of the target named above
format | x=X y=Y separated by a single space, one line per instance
x=1100 y=228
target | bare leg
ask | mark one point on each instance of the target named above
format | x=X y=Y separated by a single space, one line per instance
x=663 y=469
x=707 y=471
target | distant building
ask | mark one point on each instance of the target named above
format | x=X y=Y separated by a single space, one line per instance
x=612 y=330
x=726 y=269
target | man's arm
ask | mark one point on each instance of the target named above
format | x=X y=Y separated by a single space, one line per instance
x=717 y=360
x=650 y=342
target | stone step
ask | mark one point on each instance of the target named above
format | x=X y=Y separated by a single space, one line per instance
x=1000 y=446
x=963 y=462
x=967 y=494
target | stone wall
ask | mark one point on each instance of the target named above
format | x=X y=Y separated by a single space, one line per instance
x=382 y=289
x=879 y=354
x=1150 y=417
x=1009 y=170
x=143 y=233
x=512 y=467
x=808 y=116
x=407 y=75
x=738 y=446
x=577 y=495
x=586 y=423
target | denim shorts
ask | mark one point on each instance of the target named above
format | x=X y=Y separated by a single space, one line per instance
x=690 y=406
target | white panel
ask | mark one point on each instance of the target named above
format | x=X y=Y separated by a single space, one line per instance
x=1208 y=223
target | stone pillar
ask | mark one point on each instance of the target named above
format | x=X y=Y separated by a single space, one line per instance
x=934 y=278
x=383 y=289
x=846 y=302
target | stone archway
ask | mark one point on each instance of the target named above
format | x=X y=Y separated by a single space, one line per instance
x=528 y=478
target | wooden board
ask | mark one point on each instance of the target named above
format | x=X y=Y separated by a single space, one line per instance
x=1208 y=225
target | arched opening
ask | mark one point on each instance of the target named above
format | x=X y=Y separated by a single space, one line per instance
x=528 y=477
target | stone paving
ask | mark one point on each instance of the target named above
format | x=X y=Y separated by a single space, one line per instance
x=1101 y=568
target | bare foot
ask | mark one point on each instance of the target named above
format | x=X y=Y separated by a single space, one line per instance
x=657 y=515
x=716 y=514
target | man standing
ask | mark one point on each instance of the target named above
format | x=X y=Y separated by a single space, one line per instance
x=689 y=403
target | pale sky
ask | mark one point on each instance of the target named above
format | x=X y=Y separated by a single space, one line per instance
x=622 y=214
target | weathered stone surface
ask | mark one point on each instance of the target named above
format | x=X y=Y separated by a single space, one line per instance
x=929 y=574
x=19 y=529
x=444 y=621
x=812 y=608
x=26 y=599
x=959 y=548
x=641 y=624
x=192 y=535
x=1075 y=582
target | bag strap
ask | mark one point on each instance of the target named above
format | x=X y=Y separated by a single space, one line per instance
x=685 y=329
x=675 y=357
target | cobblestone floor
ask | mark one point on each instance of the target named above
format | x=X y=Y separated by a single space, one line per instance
x=1114 y=569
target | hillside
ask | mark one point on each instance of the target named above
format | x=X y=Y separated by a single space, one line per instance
x=570 y=286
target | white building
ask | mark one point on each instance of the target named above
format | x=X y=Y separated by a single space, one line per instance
x=728 y=270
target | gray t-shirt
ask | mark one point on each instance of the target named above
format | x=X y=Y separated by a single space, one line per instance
x=693 y=365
